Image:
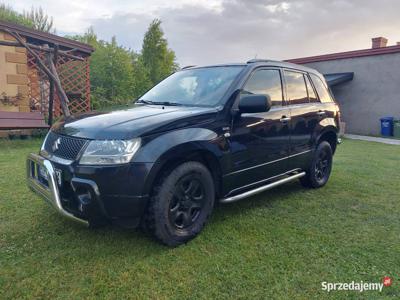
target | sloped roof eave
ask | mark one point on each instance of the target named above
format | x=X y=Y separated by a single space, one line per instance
x=47 y=37
x=346 y=55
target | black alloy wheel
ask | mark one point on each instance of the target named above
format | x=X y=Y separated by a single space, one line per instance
x=181 y=203
x=322 y=165
x=187 y=202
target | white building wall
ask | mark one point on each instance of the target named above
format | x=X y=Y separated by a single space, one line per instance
x=373 y=93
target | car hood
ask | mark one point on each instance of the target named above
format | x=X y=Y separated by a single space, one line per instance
x=138 y=121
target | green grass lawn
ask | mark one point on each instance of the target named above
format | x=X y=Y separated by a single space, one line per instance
x=280 y=244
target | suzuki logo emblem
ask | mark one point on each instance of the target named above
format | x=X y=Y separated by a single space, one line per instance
x=56 y=144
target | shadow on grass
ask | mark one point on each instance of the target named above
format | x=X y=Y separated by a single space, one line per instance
x=113 y=240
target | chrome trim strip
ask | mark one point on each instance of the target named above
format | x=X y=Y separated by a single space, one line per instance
x=60 y=160
x=267 y=163
x=44 y=141
x=55 y=158
x=300 y=153
x=51 y=193
x=262 y=188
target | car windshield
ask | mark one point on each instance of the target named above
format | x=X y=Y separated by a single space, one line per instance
x=193 y=87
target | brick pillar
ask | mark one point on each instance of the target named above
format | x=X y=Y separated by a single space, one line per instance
x=13 y=75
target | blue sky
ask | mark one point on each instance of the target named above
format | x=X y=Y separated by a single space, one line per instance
x=218 y=31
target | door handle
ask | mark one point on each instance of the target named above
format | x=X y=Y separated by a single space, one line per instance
x=285 y=119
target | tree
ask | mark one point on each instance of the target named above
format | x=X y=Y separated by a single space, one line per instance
x=119 y=75
x=35 y=18
x=157 y=58
x=89 y=37
x=111 y=71
x=141 y=77
x=40 y=21
x=9 y=15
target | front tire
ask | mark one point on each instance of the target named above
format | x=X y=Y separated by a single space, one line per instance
x=321 y=166
x=181 y=204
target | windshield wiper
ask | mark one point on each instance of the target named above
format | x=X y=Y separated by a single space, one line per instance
x=165 y=103
x=144 y=101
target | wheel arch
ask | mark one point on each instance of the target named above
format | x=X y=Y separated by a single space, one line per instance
x=329 y=135
x=191 y=151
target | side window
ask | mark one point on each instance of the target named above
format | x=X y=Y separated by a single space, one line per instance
x=311 y=93
x=322 y=90
x=296 y=87
x=266 y=82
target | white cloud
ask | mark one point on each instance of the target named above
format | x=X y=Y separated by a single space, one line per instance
x=76 y=15
x=213 y=31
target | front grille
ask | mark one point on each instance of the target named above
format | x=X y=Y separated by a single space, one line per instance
x=64 y=146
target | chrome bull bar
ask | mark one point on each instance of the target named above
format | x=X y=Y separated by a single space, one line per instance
x=50 y=193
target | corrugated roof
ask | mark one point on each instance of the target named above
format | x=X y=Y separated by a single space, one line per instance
x=41 y=36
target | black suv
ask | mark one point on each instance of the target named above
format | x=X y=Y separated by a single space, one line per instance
x=204 y=134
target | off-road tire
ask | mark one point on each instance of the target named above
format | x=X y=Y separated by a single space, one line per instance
x=164 y=195
x=322 y=157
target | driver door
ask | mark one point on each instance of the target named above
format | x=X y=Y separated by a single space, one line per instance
x=260 y=141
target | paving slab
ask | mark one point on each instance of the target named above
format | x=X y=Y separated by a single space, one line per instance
x=372 y=139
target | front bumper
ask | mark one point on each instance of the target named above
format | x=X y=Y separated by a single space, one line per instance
x=50 y=191
x=91 y=194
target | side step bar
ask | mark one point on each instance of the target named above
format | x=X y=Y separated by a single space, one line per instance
x=262 y=188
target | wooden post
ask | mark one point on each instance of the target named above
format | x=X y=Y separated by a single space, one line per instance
x=56 y=79
x=51 y=92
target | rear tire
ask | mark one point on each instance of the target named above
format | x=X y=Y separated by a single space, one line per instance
x=321 y=166
x=181 y=204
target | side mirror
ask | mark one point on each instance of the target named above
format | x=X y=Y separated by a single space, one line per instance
x=254 y=103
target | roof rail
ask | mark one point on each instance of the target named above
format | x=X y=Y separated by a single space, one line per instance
x=187 y=67
x=256 y=60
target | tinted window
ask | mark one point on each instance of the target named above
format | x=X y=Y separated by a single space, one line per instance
x=266 y=82
x=296 y=87
x=311 y=93
x=322 y=90
x=194 y=87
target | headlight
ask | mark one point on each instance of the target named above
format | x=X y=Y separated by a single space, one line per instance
x=109 y=152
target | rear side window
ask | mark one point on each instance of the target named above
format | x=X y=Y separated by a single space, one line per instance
x=322 y=90
x=266 y=82
x=296 y=87
x=311 y=93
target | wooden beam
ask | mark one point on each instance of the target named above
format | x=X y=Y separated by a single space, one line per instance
x=51 y=87
x=41 y=48
x=61 y=93
x=21 y=120
x=20 y=115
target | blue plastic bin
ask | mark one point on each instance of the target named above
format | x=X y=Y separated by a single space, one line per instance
x=387 y=126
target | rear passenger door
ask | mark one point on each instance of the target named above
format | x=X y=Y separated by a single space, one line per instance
x=303 y=105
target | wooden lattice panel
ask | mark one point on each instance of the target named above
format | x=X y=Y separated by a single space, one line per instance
x=38 y=87
x=75 y=79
